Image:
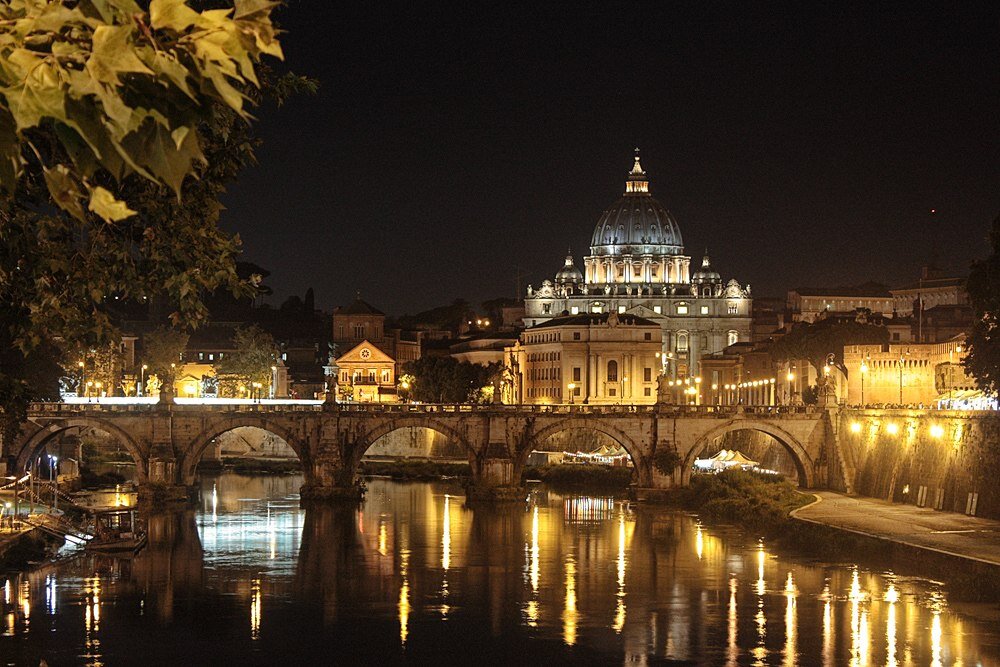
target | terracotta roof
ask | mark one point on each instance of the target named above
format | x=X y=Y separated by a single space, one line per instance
x=359 y=307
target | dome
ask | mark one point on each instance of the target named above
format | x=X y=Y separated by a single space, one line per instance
x=569 y=273
x=637 y=224
x=706 y=274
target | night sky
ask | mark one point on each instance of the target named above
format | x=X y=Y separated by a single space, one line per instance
x=803 y=145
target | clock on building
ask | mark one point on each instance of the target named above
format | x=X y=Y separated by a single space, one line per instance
x=365 y=353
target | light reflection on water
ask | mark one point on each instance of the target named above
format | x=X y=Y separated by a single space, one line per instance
x=415 y=573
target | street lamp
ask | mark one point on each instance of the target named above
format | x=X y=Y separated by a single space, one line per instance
x=863 y=369
x=142 y=380
x=572 y=390
x=83 y=374
x=900 y=364
x=274 y=380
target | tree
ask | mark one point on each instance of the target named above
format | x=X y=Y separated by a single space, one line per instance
x=447 y=380
x=255 y=353
x=815 y=341
x=120 y=126
x=162 y=350
x=983 y=358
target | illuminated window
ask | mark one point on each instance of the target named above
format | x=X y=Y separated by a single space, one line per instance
x=732 y=309
x=704 y=310
x=732 y=337
x=596 y=308
x=682 y=309
x=547 y=308
x=621 y=309
x=574 y=310
x=682 y=342
x=658 y=310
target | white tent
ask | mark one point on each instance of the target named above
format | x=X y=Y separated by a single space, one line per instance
x=725 y=459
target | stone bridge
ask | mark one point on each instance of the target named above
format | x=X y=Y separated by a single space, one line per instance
x=168 y=440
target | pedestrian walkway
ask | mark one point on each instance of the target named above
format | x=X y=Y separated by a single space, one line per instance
x=944 y=532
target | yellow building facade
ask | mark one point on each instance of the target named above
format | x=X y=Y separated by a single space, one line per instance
x=366 y=374
x=594 y=358
x=907 y=374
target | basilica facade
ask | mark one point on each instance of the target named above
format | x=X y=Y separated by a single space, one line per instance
x=637 y=266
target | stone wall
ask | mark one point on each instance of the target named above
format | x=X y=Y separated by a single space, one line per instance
x=417 y=442
x=925 y=457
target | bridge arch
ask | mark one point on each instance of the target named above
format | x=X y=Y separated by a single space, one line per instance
x=800 y=457
x=37 y=440
x=639 y=462
x=217 y=427
x=384 y=428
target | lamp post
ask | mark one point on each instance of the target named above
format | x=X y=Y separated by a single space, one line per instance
x=142 y=380
x=83 y=375
x=572 y=389
x=274 y=380
x=863 y=369
x=900 y=364
x=790 y=377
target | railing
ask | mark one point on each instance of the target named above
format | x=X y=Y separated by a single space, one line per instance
x=434 y=408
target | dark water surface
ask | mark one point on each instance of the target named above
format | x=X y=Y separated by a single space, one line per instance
x=250 y=578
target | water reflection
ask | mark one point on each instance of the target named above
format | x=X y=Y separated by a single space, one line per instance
x=416 y=573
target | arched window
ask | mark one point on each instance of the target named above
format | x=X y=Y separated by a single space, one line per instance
x=732 y=337
x=612 y=371
x=682 y=342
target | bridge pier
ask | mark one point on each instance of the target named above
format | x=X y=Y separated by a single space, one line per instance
x=495 y=479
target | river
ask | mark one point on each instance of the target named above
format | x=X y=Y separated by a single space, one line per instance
x=413 y=574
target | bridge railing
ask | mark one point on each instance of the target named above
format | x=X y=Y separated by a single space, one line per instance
x=432 y=408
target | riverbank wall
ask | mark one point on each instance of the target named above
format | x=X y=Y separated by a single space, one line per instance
x=929 y=458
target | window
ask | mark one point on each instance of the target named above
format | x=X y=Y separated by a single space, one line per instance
x=704 y=342
x=682 y=309
x=647 y=375
x=621 y=309
x=704 y=310
x=574 y=310
x=612 y=371
x=385 y=377
x=576 y=335
x=682 y=342
x=647 y=392
x=359 y=331
x=647 y=336
x=211 y=357
x=732 y=337
x=547 y=308
x=576 y=374
x=343 y=376
x=658 y=310
x=732 y=309
x=596 y=308
x=612 y=391
x=371 y=376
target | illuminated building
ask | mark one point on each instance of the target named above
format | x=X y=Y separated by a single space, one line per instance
x=367 y=374
x=637 y=266
x=363 y=322
x=591 y=358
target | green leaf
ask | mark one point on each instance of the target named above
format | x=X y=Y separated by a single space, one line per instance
x=155 y=149
x=114 y=54
x=248 y=8
x=10 y=152
x=64 y=190
x=104 y=204
x=172 y=14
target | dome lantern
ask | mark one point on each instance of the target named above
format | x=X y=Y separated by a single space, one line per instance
x=637 y=184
